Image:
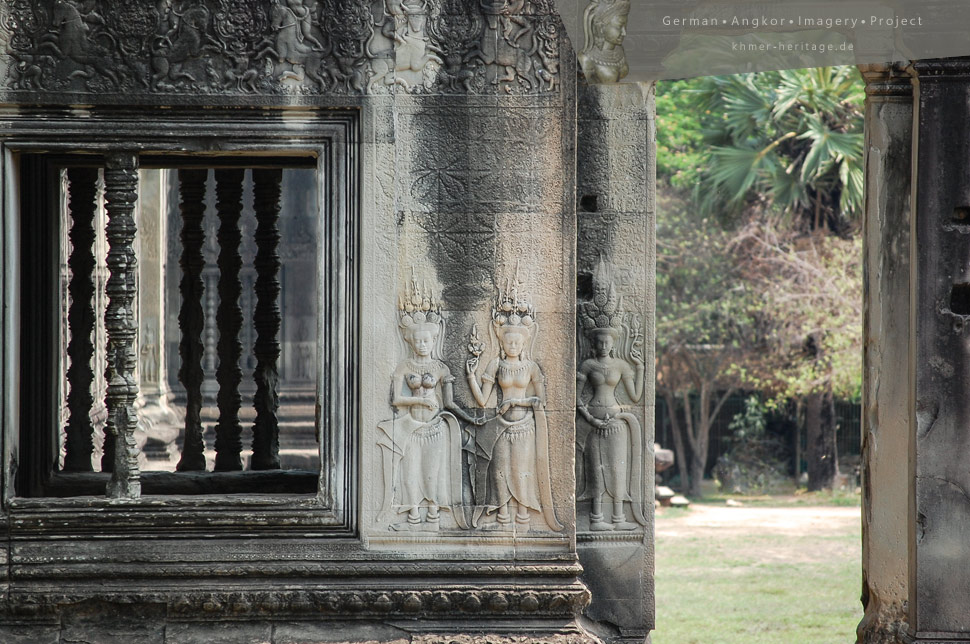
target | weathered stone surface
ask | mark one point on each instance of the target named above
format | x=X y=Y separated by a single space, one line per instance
x=888 y=419
x=218 y=633
x=615 y=336
x=942 y=507
x=450 y=165
x=33 y=634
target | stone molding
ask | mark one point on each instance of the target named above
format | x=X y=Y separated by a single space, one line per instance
x=513 y=602
x=888 y=80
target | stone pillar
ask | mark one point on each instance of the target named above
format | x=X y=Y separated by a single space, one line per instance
x=616 y=270
x=888 y=418
x=939 y=519
x=157 y=421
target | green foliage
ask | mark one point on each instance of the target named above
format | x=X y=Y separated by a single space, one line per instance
x=755 y=463
x=680 y=137
x=810 y=291
x=704 y=298
x=751 y=422
x=755 y=171
x=788 y=142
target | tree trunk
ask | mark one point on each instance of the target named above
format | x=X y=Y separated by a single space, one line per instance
x=820 y=436
x=702 y=438
x=697 y=464
x=680 y=454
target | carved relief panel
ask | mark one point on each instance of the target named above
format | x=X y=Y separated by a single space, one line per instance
x=609 y=437
x=512 y=475
x=422 y=444
x=481 y=469
x=301 y=47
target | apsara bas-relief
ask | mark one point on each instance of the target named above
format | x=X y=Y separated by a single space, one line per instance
x=446 y=468
x=609 y=437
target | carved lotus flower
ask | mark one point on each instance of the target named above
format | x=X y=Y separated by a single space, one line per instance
x=602 y=321
x=419 y=317
x=616 y=321
x=514 y=320
x=527 y=320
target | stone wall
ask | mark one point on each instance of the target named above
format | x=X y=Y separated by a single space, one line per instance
x=448 y=341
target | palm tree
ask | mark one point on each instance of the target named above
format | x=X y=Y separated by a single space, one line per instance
x=787 y=142
x=787 y=147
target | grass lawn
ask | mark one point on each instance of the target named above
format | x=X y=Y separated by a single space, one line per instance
x=758 y=575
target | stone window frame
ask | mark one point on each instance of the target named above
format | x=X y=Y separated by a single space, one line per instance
x=330 y=136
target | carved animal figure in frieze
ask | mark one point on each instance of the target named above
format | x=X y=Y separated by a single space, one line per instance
x=455 y=34
x=183 y=40
x=78 y=37
x=349 y=24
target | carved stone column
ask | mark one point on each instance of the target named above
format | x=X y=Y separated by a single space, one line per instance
x=616 y=274
x=266 y=439
x=121 y=184
x=82 y=187
x=888 y=415
x=191 y=314
x=159 y=422
x=229 y=318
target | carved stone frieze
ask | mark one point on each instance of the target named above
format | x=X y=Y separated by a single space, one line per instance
x=468 y=602
x=280 y=47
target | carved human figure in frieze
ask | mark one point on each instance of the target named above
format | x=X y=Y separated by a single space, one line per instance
x=603 y=59
x=414 y=56
x=421 y=446
x=182 y=41
x=508 y=43
x=291 y=42
x=610 y=438
x=70 y=37
x=400 y=51
x=514 y=445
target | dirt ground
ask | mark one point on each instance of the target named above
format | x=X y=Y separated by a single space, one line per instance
x=701 y=520
x=814 y=527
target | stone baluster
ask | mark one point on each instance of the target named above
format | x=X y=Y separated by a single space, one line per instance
x=121 y=184
x=192 y=315
x=266 y=318
x=82 y=193
x=229 y=186
x=211 y=278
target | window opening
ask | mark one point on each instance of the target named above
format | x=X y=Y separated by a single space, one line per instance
x=193 y=339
